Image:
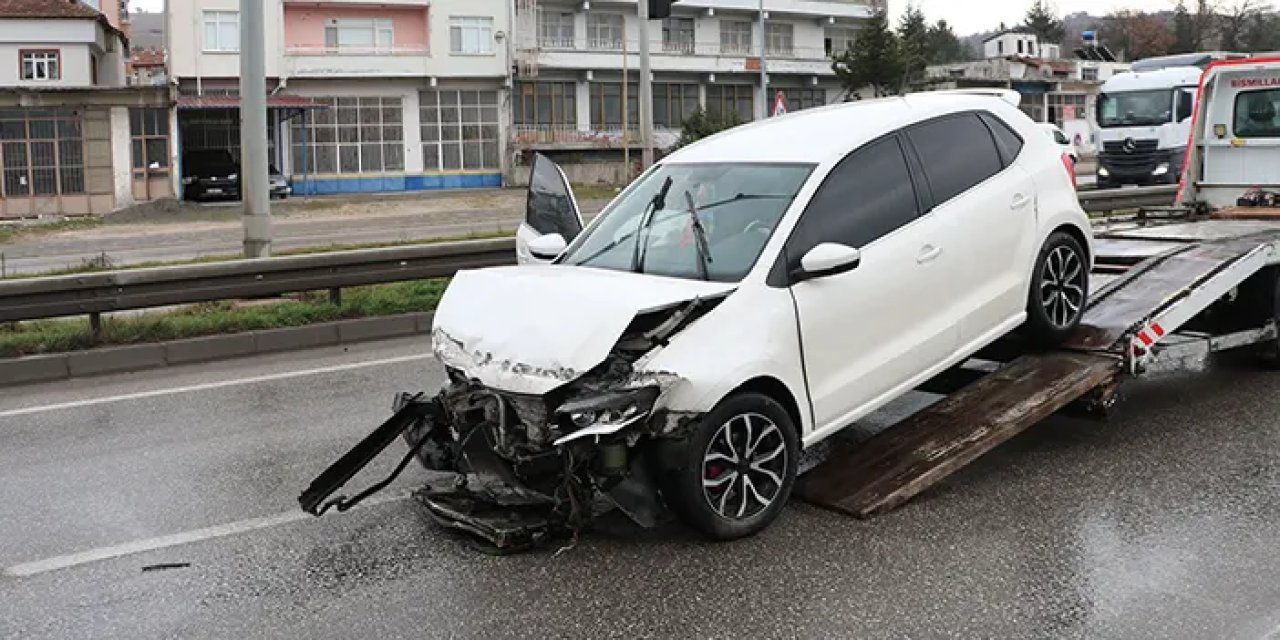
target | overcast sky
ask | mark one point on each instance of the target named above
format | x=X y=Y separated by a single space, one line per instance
x=967 y=16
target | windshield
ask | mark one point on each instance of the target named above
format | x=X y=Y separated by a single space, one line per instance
x=736 y=208
x=1135 y=108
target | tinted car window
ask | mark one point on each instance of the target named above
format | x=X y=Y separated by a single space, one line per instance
x=867 y=196
x=1007 y=140
x=957 y=152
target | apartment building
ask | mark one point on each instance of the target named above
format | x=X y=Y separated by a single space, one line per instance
x=364 y=95
x=572 y=57
x=73 y=137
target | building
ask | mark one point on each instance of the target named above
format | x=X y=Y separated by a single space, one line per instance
x=74 y=139
x=1019 y=42
x=364 y=95
x=572 y=57
x=147 y=68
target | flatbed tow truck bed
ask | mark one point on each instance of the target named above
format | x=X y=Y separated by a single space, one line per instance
x=1155 y=290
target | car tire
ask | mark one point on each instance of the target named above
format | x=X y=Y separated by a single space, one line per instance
x=1059 y=291
x=721 y=484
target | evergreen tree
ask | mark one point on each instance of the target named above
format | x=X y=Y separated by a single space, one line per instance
x=1043 y=20
x=702 y=124
x=873 y=61
x=913 y=43
x=944 y=46
x=1184 y=38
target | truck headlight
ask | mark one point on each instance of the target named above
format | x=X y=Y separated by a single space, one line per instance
x=607 y=413
x=1104 y=172
x=189 y=180
x=1161 y=170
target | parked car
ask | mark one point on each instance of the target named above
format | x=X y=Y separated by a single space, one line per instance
x=210 y=174
x=280 y=186
x=747 y=297
x=1060 y=138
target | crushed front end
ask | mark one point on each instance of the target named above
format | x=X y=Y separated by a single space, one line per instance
x=519 y=469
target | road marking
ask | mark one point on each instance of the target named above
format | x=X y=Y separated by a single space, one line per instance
x=28 y=569
x=209 y=385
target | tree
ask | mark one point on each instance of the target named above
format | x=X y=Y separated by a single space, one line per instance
x=702 y=124
x=1263 y=33
x=913 y=44
x=1184 y=36
x=1138 y=34
x=1043 y=20
x=872 y=61
x=944 y=46
x=1235 y=22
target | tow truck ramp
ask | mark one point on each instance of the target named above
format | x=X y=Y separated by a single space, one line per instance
x=1148 y=287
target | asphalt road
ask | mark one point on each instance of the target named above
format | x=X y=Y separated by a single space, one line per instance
x=1161 y=523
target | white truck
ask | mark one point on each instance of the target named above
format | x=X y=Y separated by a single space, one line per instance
x=1144 y=119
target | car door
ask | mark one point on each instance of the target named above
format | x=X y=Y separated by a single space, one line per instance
x=991 y=201
x=550 y=208
x=868 y=332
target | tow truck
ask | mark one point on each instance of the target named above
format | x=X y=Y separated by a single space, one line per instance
x=1176 y=283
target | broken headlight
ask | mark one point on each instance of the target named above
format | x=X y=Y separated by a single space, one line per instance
x=606 y=413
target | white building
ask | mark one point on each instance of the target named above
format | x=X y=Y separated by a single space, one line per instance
x=75 y=139
x=365 y=95
x=1016 y=42
x=572 y=56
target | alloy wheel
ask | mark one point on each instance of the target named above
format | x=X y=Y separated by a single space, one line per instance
x=743 y=466
x=1062 y=287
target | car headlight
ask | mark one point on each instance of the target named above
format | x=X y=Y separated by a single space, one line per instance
x=189 y=180
x=1161 y=170
x=607 y=413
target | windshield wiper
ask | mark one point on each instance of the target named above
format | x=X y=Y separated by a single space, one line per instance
x=743 y=197
x=699 y=239
x=641 y=249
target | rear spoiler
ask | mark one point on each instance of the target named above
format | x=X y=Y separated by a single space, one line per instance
x=1008 y=95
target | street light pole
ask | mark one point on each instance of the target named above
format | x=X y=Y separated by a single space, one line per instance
x=764 y=74
x=646 y=90
x=253 y=130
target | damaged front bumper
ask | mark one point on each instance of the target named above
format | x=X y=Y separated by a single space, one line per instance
x=509 y=471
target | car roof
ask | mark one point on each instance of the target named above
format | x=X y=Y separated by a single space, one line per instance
x=821 y=134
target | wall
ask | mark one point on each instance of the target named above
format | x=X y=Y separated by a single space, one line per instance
x=121 y=156
x=447 y=65
x=304 y=26
x=186 y=42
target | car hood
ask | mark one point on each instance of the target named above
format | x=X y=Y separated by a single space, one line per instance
x=531 y=329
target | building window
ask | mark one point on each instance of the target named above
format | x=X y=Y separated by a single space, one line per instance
x=43 y=152
x=838 y=39
x=779 y=38
x=352 y=135
x=735 y=37
x=605 y=31
x=732 y=98
x=149 y=131
x=221 y=31
x=799 y=99
x=606 y=106
x=1066 y=107
x=545 y=105
x=94 y=4
x=1089 y=74
x=677 y=35
x=672 y=103
x=555 y=29
x=471 y=36
x=460 y=130
x=1000 y=47
x=354 y=35
x=42 y=64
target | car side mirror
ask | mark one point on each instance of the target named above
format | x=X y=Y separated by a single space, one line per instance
x=548 y=247
x=827 y=259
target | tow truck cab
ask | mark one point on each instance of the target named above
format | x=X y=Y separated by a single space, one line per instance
x=1144 y=119
x=1234 y=158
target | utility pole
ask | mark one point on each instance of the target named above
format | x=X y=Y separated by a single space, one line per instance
x=626 y=108
x=764 y=73
x=253 y=130
x=646 y=90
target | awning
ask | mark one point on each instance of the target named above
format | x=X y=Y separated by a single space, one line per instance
x=233 y=102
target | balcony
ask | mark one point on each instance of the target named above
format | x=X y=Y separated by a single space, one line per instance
x=695 y=57
x=328 y=62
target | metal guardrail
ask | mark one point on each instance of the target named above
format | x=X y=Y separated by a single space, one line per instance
x=97 y=293
x=1104 y=200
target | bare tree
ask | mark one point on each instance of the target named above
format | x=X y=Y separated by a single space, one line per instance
x=1234 y=20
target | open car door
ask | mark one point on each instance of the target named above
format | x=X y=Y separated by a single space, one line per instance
x=550 y=209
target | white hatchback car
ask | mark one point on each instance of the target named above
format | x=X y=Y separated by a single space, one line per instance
x=745 y=298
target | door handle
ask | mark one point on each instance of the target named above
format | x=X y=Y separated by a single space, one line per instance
x=928 y=254
x=1019 y=201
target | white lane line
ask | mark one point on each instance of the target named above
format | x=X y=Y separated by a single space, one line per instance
x=28 y=569
x=209 y=385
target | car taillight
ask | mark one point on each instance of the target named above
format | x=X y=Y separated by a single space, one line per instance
x=1071 y=169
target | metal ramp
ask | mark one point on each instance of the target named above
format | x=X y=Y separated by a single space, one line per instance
x=902 y=461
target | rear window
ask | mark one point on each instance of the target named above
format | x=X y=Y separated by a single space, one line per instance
x=957 y=152
x=1256 y=114
x=1007 y=140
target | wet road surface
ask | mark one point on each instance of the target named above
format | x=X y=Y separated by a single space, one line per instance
x=1162 y=523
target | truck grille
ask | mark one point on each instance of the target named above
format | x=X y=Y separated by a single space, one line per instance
x=1146 y=155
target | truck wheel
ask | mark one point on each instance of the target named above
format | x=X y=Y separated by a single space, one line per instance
x=1059 y=291
x=1257 y=304
x=733 y=475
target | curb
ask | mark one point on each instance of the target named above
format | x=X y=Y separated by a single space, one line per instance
x=142 y=357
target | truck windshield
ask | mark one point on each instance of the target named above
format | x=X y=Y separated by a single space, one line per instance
x=652 y=228
x=1135 y=108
